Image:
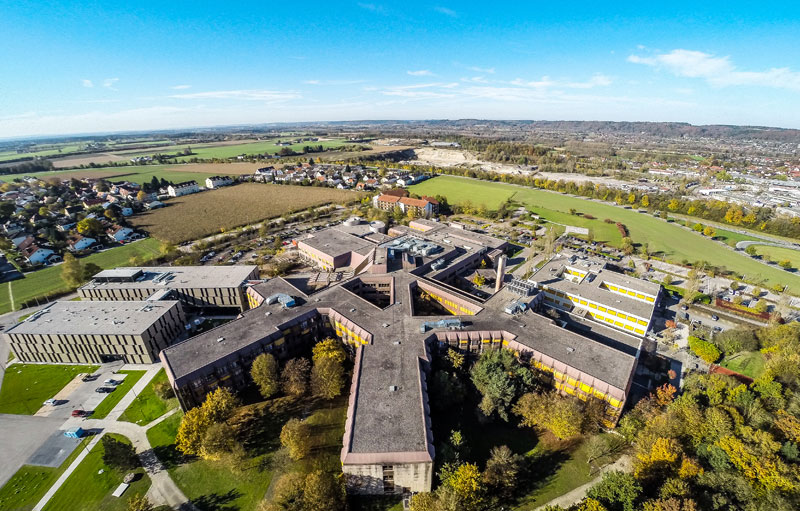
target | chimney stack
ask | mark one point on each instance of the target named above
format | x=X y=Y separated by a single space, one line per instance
x=501 y=273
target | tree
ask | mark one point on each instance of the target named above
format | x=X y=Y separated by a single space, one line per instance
x=219 y=443
x=71 y=271
x=455 y=358
x=140 y=502
x=560 y=416
x=294 y=378
x=90 y=226
x=328 y=348
x=424 y=501
x=322 y=491
x=502 y=468
x=192 y=431
x=479 y=280
x=287 y=495
x=327 y=378
x=163 y=390
x=296 y=437
x=500 y=378
x=118 y=454
x=709 y=231
x=90 y=270
x=674 y=205
x=466 y=484
x=265 y=374
x=704 y=349
x=617 y=491
x=785 y=264
x=751 y=250
x=220 y=404
x=645 y=202
x=698 y=227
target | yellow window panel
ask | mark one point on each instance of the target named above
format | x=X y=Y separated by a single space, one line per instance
x=628 y=327
x=611 y=313
x=593 y=306
x=586 y=388
x=631 y=318
x=617 y=323
x=601 y=308
x=639 y=296
x=632 y=293
x=572 y=381
x=639 y=331
x=599 y=394
x=614 y=402
x=642 y=322
x=649 y=299
x=569 y=391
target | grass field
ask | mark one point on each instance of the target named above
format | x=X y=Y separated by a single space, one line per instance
x=111 y=400
x=732 y=238
x=89 y=489
x=198 y=215
x=27 y=487
x=750 y=363
x=148 y=406
x=48 y=280
x=673 y=242
x=27 y=386
x=207 y=151
x=778 y=254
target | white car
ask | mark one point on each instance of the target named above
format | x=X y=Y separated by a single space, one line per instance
x=50 y=402
x=111 y=382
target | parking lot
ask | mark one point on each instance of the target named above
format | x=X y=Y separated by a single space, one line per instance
x=22 y=436
x=78 y=395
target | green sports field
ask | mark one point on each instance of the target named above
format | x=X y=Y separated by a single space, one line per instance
x=779 y=254
x=672 y=241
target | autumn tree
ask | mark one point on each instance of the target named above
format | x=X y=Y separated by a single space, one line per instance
x=502 y=469
x=140 y=502
x=294 y=378
x=71 y=271
x=327 y=378
x=617 y=491
x=89 y=226
x=561 y=416
x=296 y=438
x=265 y=375
x=466 y=483
x=192 y=431
x=500 y=379
x=321 y=490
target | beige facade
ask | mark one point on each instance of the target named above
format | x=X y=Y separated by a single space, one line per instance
x=57 y=341
x=380 y=478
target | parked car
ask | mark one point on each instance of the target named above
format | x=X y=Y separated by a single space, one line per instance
x=111 y=382
x=80 y=413
x=717 y=329
x=715 y=317
x=104 y=390
x=89 y=377
x=50 y=402
x=684 y=307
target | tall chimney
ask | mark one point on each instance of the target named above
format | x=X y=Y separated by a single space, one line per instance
x=501 y=273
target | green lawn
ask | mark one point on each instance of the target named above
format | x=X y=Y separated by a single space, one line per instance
x=210 y=484
x=148 y=406
x=88 y=489
x=748 y=363
x=27 y=487
x=111 y=400
x=562 y=471
x=732 y=238
x=48 y=280
x=779 y=254
x=671 y=241
x=27 y=386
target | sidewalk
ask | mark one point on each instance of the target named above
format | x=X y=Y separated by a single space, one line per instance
x=624 y=464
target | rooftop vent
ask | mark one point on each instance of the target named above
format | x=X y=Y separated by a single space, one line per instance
x=392 y=388
x=220 y=339
x=396 y=343
x=353 y=309
x=385 y=325
x=570 y=349
x=267 y=313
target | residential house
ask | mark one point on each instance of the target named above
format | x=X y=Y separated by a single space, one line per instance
x=218 y=181
x=36 y=254
x=185 y=188
x=119 y=233
x=80 y=243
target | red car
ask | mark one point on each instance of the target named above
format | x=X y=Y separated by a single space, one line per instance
x=80 y=413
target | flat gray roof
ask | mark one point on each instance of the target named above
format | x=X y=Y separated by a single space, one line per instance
x=335 y=243
x=590 y=289
x=177 y=277
x=94 y=318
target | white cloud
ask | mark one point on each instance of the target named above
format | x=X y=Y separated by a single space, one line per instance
x=87 y=83
x=332 y=82
x=180 y=87
x=311 y=82
x=598 y=80
x=247 y=95
x=108 y=83
x=421 y=72
x=718 y=71
x=475 y=79
x=485 y=70
x=446 y=11
x=373 y=7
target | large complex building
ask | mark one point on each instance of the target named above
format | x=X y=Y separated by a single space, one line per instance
x=584 y=285
x=97 y=332
x=206 y=287
x=404 y=302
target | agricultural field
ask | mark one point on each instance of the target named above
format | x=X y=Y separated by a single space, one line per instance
x=663 y=238
x=145 y=173
x=48 y=280
x=222 y=151
x=202 y=214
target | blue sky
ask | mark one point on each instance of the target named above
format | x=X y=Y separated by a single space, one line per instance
x=80 y=67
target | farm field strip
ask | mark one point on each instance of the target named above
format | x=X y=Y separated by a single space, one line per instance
x=144 y=173
x=673 y=241
x=195 y=216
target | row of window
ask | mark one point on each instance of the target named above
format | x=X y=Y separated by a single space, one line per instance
x=618 y=324
x=629 y=292
x=570 y=385
x=453 y=307
x=601 y=308
x=347 y=334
